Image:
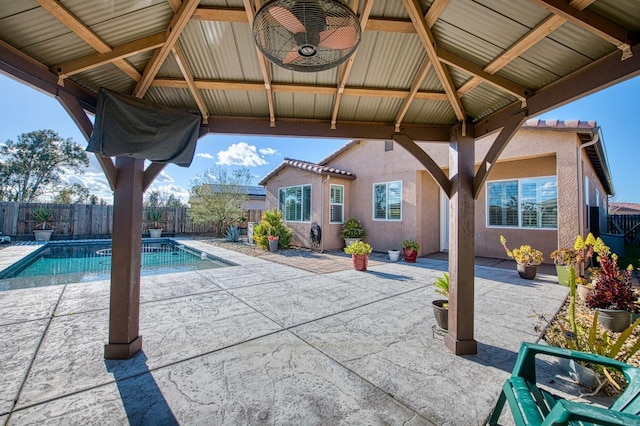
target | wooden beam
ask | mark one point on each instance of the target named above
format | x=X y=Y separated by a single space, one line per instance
x=601 y=74
x=79 y=116
x=150 y=173
x=345 y=70
x=175 y=28
x=183 y=64
x=85 y=33
x=297 y=88
x=264 y=65
x=460 y=336
x=95 y=60
x=124 y=307
x=429 y=43
x=591 y=22
x=425 y=159
x=497 y=81
x=498 y=145
x=321 y=129
x=417 y=81
x=224 y=14
x=434 y=12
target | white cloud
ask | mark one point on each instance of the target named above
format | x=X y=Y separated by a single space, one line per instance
x=241 y=154
x=205 y=155
x=268 y=151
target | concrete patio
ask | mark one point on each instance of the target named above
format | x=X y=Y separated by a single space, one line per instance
x=265 y=343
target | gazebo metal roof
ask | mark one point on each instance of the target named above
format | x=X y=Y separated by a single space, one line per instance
x=422 y=66
x=441 y=70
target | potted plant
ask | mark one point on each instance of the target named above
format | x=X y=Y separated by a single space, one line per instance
x=394 y=255
x=612 y=295
x=273 y=243
x=441 y=306
x=352 y=231
x=359 y=252
x=154 y=216
x=44 y=229
x=410 y=250
x=526 y=257
x=564 y=258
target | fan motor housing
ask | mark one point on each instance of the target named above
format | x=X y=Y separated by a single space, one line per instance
x=306 y=35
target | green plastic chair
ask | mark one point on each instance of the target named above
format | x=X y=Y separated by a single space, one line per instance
x=531 y=405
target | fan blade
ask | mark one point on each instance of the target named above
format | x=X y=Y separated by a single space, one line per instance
x=339 y=38
x=287 y=19
x=292 y=56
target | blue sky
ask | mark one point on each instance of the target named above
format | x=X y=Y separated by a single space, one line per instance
x=23 y=109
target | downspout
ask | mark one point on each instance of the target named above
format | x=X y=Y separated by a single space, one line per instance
x=322 y=214
x=581 y=201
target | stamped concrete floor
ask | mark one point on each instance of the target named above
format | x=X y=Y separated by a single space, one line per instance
x=263 y=343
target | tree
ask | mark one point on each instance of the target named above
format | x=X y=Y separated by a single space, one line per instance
x=74 y=194
x=219 y=196
x=34 y=163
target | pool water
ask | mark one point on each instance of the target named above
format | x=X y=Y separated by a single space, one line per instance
x=81 y=262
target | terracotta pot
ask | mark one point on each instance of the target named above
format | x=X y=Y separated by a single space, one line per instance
x=614 y=320
x=409 y=255
x=360 y=261
x=527 y=272
x=441 y=313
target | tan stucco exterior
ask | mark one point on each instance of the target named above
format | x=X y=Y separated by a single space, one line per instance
x=531 y=153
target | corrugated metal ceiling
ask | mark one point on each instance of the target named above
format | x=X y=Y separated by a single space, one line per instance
x=222 y=58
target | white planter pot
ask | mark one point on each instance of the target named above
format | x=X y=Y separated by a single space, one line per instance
x=348 y=241
x=155 y=233
x=394 y=255
x=42 y=234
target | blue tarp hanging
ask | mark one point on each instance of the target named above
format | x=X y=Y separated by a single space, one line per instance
x=126 y=125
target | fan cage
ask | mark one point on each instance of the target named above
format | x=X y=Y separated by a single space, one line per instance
x=275 y=41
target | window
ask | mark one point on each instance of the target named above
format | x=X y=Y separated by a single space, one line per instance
x=336 y=204
x=387 y=201
x=524 y=203
x=388 y=146
x=295 y=203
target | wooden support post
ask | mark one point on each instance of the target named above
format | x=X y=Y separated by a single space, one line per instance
x=124 y=314
x=459 y=339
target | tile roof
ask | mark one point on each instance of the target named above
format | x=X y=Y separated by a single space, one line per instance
x=319 y=169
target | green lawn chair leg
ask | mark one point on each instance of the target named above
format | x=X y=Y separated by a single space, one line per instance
x=497 y=410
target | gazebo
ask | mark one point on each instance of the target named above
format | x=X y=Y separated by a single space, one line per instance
x=449 y=71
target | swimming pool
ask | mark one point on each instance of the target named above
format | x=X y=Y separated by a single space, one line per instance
x=75 y=262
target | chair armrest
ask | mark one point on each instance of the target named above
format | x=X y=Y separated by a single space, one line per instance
x=525 y=363
x=565 y=411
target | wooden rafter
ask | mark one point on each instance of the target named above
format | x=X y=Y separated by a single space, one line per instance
x=250 y=13
x=529 y=40
x=175 y=28
x=429 y=43
x=85 y=33
x=297 y=88
x=119 y=52
x=591 y=22
x=432 y=167
x=436 y=9
x=183 y=64
x=345 y=70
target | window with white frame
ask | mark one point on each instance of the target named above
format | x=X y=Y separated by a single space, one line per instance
x=295 y=203
x=387 y=201
x=336 y=203
x=523 y=203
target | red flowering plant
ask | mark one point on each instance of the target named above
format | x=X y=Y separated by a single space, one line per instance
x=273 y=238
x=612 y=285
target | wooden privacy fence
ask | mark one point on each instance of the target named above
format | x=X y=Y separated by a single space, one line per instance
x=76 y=221
x=625 y=224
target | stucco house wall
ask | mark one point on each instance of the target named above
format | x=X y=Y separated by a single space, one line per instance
x=532 y=152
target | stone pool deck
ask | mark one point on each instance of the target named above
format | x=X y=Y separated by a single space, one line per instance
x=265 y=343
